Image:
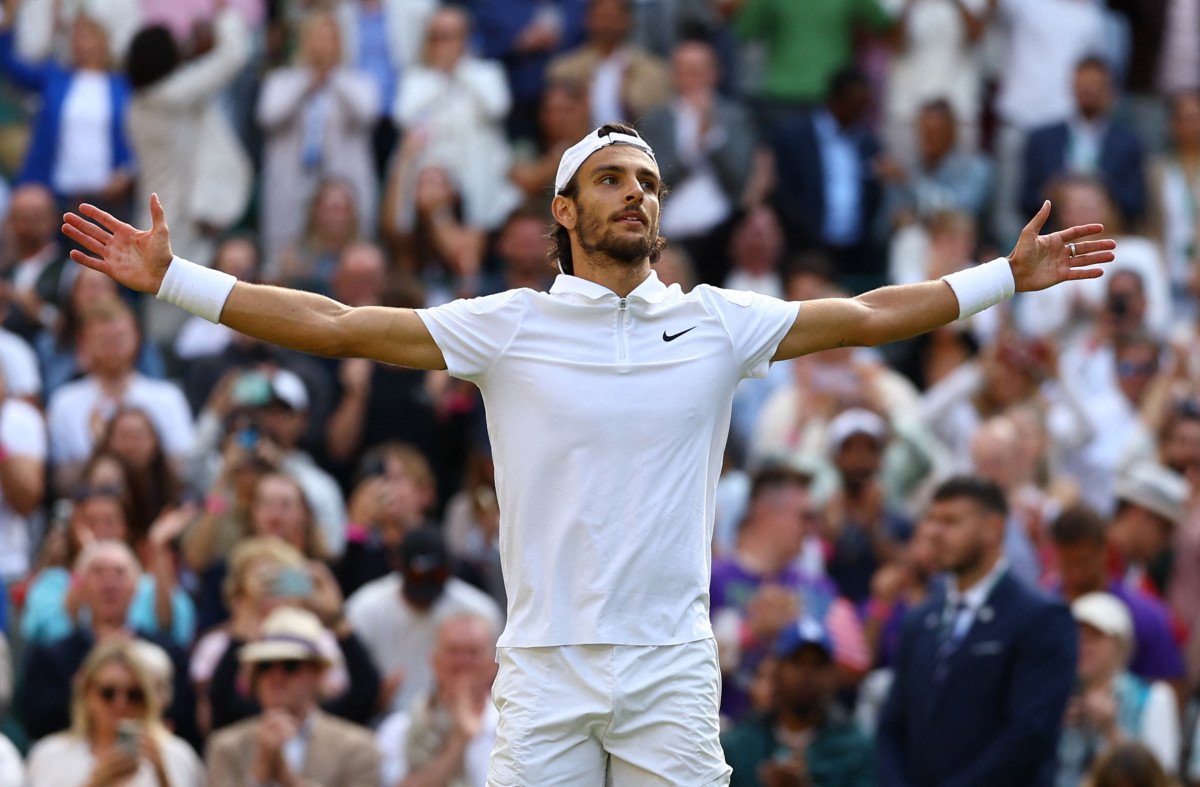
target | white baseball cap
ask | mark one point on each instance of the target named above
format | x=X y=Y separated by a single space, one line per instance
x=1106 y=613
x=578 y=153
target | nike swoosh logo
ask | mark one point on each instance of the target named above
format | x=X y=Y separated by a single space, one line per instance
x=670 y=337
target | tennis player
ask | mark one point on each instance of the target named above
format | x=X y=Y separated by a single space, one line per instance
x=608 y=403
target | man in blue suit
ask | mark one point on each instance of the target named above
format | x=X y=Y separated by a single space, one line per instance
x=1091 y=142
x=984 y=668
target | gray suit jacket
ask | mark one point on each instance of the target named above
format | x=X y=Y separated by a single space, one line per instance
x=733 y=160
x=339 y=754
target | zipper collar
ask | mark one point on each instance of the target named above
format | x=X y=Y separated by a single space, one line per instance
x=651 y=290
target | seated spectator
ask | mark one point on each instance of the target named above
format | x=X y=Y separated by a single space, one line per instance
x=279 y=508
x=187 y=151
x=55 y=604
x=1174 y=206
x=865 y=529
x=397 y=616
x=758 y=589
x=395 y=495
x=59 y=346
x=225 y=520
x=378 y=403
x=755 y=253
x=1111 y=705
x=435 y=240
x=1150 y=507
x=945 y=176
x=109 y=341
x=1011 y=372
x=1090 y=142
x=455 y=103
x=706 y=148
x=44 y=28
x=280 y=410
x=79 y=146
x=292 y=740
x=563 y=119
x=624 y=82
x=22 y=481
x=447 y=736
x=153 y=481
x=1128 y=764
x=805 y=737
x=317 y=116
x=833 y=209
x=264 y=573
x=1079 y=538
x=117 y=734
x=33 y=260
x=107 y=578
x=333 y=226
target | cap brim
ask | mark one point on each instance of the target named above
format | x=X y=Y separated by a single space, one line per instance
x=278 y=651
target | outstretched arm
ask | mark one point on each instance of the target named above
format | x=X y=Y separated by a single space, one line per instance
x=298 y=320
x=889 y=314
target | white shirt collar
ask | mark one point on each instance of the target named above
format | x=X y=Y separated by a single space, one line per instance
x=975 y=596
x=651 y=290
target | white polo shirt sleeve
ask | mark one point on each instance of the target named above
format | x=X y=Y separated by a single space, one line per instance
x=473 y=333
x=756 y=324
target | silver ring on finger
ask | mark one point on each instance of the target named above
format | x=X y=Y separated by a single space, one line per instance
x=1071 y=249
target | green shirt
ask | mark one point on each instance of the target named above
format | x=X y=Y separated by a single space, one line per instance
x=840 y=755
x=807 y=41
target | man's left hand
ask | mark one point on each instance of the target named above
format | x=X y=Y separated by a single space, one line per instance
x=1041 y=261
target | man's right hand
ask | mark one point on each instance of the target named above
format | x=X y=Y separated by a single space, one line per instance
x=135 y=258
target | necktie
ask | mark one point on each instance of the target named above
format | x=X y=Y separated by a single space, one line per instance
x=950 y=636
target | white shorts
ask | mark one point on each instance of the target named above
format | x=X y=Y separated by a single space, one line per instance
x=624 y=715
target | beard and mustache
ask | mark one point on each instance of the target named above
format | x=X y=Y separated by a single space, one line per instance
x=599 y=239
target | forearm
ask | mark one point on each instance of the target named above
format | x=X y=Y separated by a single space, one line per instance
x=22 y=480
x=164 y=583
x=343 y=436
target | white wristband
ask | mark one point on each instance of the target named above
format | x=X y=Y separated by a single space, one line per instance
x=982 y=286
x=200 y=290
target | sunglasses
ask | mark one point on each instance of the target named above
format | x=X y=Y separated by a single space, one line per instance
x=289 y=666
x=132 y=695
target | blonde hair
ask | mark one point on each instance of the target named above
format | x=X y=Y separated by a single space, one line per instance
x=252 y=550
x=124 y=653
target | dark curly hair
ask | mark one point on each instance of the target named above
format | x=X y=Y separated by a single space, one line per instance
x=561 y=253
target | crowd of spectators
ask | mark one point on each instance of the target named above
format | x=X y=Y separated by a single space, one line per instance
x=227 y=562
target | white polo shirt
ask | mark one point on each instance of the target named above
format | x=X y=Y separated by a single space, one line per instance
x=608 y=418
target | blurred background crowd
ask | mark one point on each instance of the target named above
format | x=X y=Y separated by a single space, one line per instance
x=227 y=561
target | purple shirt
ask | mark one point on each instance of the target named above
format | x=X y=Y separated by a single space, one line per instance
x=1156 y=655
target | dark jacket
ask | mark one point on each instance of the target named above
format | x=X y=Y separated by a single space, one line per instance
x=52 y=82
x=994 y=720
x=839 y=755
x=1120 y=167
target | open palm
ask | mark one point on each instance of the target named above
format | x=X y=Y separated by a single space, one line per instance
x=136 y=258
x=1041 y=261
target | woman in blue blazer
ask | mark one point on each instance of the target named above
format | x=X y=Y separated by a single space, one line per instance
x=54 y=83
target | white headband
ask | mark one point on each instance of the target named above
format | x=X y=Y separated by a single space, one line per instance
x=578 y=153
